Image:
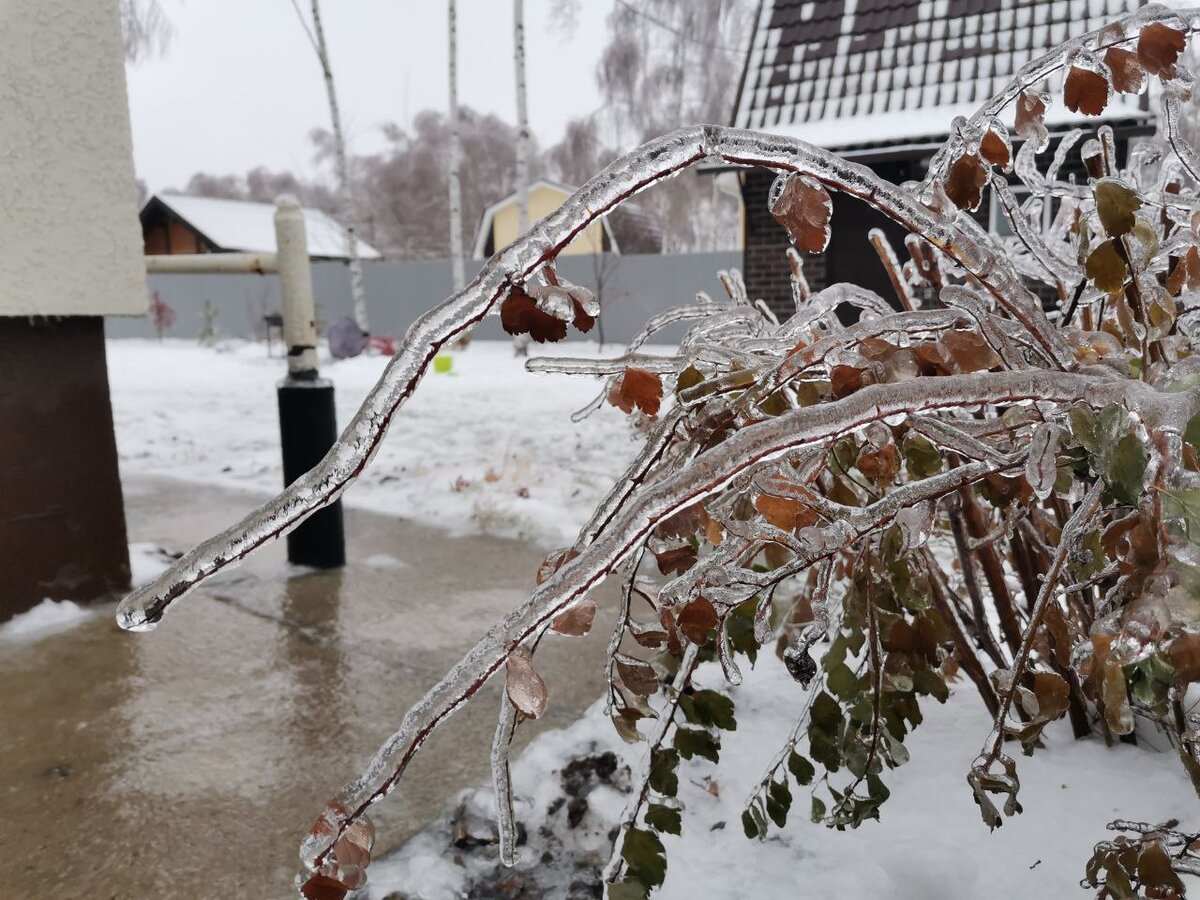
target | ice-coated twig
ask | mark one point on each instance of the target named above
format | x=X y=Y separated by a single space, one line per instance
x=573 y=365
x=1079 y=521
x=641 y=784
x=506 y=829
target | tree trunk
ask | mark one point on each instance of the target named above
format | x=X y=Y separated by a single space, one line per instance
x=349 y=216
x=456 y=233
x=522 y=118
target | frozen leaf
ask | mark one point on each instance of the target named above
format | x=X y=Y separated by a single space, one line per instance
x=576 y=622
x=677 y=560
x=1126 y=466
x=1159 y=47
x=802 y=770
x=1154 y=871
x=353 y=848
x=1041 y=466
x=554 y=561
x=693 y=742
x=921 y=458
x=845 y=380
x=638 y=676
x=970 y=352
x=1186 y=273
x=882 y=465
x=1030 y=118
x=995 y=148
x=799 y=664
x=697 y=619
x=803 y=207
x=1085 y=91
x=965 y=180
x=783 y=513
x=1053 y=694
x=1106 y=269
x=1116 y=699
x=323 y=887
x=665 y=819
x=1116 y=205
x=524 y=685
x=1128 y=77
x=1184 y=653
x=644 y=855
x=637 y=387
x=520 y=314
x=664 y=776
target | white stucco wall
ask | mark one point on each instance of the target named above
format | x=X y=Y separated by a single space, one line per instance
x=70 y=242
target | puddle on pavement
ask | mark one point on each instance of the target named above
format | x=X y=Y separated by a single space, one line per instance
x=187 y=763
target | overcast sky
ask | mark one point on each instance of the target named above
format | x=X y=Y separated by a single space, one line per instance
x=240 y=86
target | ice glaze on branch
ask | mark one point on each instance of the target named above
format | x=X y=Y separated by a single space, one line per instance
x=650 y=163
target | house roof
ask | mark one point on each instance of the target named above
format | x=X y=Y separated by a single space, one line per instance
x=245 y=226
x=840 y=74
x=485 y=222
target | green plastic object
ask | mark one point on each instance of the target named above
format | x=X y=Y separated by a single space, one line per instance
x=443 y=364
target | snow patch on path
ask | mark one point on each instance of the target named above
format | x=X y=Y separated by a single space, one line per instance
x=48 y=617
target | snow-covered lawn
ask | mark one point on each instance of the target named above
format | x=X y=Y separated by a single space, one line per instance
x=486 y=448
x=492 y=448
x=929 y=845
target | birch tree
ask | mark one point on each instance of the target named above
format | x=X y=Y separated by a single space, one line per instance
x=456 y=236
x=522 y=117
x=349 y=217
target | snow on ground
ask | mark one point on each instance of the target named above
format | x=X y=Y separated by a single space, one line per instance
x=930 y=844
x=47 y=617
x=52 y=616
x=488 y=448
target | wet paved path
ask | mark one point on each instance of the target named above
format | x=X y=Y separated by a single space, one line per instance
x=187 y=763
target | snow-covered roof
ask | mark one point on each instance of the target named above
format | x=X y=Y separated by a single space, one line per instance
x=245 y=226
x=851 y=72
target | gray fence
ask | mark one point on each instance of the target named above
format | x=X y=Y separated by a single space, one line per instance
x=631 y=288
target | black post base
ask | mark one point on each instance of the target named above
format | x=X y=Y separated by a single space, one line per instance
x=308 y=428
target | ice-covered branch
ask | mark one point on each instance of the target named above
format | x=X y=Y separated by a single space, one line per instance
x=651 y=163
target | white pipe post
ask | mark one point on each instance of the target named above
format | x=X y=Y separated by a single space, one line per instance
x=295 y=287
x=307 y=414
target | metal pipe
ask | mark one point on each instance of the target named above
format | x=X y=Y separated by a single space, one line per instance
x=295 y=288
x=212 y=264
x=307 y=416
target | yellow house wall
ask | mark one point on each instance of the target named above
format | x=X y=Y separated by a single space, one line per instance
x=543 y=200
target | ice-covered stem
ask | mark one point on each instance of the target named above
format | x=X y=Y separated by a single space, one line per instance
x=1037 y=70
x=891 y=265
x=1185 y=152
x=506 y=829
x=1080 y=519
x=641 y=785
x=652 y=162
x=757 y=444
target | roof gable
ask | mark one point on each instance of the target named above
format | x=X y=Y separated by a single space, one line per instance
x=241 y=225
x=845 y=72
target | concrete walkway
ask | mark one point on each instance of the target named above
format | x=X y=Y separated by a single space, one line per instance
x=188 y=762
